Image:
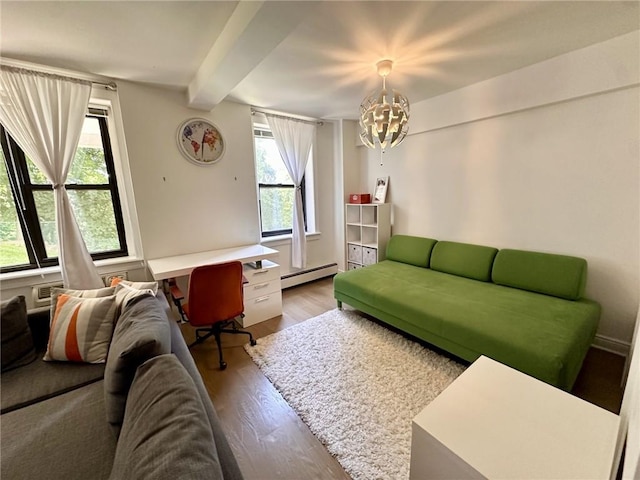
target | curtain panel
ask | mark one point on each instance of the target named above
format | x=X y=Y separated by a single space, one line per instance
x=294 y=139
x=44 y=114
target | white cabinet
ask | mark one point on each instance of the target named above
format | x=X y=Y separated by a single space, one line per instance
x=368 y=228
x=262 y=293
x=496 y=422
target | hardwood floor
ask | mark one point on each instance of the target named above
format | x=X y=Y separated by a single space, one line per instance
x=268 y=438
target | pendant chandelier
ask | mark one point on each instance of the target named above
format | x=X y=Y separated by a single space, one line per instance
x=384 y=115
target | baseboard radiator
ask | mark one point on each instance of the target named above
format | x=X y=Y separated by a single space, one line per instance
x=308 y=275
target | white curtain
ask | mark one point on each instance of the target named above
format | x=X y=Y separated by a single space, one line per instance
x=44 y=114
x=294 y=139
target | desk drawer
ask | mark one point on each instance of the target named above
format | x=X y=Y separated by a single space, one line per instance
x=260 y=289
x=262 y=308
x=269 y=271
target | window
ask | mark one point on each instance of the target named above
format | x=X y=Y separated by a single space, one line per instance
x=276 y=190
x=28 y=233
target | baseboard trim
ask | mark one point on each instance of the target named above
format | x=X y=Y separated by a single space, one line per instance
x=304 y=276
x=612 y=345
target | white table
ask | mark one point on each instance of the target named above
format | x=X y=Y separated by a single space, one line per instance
x=180 y=265
x=262 y=293
x=495 y=422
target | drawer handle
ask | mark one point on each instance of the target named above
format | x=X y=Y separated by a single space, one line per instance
x=261 y=299
x=258 y=272
x=262 y=285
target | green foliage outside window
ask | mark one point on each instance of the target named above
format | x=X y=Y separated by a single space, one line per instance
x=12 y=246
x=276 y=203
x=90 y=195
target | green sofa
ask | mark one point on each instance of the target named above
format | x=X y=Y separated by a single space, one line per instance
x=524 y=309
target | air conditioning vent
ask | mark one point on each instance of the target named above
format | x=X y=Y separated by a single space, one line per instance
x=107 y=278
x=41 y=294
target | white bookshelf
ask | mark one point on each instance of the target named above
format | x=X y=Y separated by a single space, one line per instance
x=367 y=231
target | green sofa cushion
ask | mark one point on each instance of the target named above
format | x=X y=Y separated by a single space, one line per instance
x=558 y=275
x=411 y=250
x=463 y=259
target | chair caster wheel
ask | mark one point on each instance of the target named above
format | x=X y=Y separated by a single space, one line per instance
x=223 y=365
x=253 y=343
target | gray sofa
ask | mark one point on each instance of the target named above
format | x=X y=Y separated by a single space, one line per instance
x=54 y=414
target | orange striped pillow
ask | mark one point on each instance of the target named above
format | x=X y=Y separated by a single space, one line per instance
x=81 y=329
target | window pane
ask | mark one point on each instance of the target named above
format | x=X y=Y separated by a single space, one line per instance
x=13 y=250
x=35 y=175
x=276 y=208
x=95 y=216
x=46 y=212
x=89 y=166
x=269 y=165
x=96 y=219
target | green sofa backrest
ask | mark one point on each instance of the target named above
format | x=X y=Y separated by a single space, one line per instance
x=557 y=275
x=463 y=259
x=412 y=250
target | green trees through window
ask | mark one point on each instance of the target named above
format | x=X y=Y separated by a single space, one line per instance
x=275 y=187
x=28 y=233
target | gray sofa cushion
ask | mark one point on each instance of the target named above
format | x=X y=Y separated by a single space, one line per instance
x=228 y=462
x=41 y=380
x=17 y=344
x=165 y=433
x=142 y=332
x=64 y=437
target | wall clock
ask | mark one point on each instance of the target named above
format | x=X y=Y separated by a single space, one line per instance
x=200 y=141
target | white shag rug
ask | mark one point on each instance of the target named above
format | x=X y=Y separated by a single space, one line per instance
x=357 y=385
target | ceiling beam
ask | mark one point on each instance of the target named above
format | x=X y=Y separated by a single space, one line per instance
x=251 y=33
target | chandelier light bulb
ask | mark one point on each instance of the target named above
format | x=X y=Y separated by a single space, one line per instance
x=384 y=67
x=384 y=114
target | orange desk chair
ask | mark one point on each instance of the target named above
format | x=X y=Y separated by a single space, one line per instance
x=214 y=300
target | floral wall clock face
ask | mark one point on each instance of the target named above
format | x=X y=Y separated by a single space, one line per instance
x=200 y=141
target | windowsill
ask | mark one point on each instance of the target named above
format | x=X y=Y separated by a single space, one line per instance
x=286 y=239
x=26 y=278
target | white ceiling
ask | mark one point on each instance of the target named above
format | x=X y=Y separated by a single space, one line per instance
x=313 y=58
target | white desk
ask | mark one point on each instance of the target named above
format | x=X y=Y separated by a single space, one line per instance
x=495 y=422
x=262 y=293
x=180 y=265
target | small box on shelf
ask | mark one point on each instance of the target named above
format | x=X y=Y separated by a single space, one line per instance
x=355 y=253
x=360 y=198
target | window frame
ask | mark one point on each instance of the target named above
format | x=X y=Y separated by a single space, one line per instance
x=23 y=189
x=263 y=131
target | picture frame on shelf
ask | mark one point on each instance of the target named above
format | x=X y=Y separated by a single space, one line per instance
x=380 y=190
x=200 y=141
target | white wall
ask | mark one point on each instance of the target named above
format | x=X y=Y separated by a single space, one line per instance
x=185 y=208
x=629 y=431
x=347 y=180
x=545 y=158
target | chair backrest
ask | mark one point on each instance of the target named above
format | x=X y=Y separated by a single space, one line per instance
x=215 y=293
